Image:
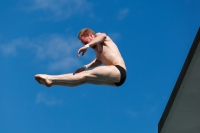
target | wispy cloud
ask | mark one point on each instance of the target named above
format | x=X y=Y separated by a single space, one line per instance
x=57 y=51
x=11 y=48
x=47 y=100
x=59 y=9
x=8 y=50
x=123 y=13
x=55 y=46
x=68 y=62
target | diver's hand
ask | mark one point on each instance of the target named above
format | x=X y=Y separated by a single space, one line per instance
x=79 y=70
x=83 y=50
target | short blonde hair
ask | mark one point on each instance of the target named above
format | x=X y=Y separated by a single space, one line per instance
x=85 y=31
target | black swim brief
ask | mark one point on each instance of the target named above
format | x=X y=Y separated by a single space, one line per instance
x=123 y=75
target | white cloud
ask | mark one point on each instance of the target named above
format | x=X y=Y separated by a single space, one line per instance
x=47 y=100
x=123 y=13
x=60 y=52
x=59 y=9
x=65 y=63
x=11 y=47
x=55 y=46
x=8 y=50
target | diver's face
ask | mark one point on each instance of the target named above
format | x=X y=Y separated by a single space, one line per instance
x=87 y=39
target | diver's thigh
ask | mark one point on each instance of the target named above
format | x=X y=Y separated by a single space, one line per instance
x=107 y=74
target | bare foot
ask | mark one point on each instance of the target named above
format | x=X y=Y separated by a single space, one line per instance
x=43 y=79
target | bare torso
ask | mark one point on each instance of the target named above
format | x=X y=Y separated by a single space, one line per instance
x=108 y=53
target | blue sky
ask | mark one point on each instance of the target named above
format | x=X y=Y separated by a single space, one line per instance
x=40 y=36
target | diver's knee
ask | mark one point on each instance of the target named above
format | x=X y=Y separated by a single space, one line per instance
x=86 y=76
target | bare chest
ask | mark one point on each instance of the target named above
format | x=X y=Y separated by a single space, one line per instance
x=102 y=52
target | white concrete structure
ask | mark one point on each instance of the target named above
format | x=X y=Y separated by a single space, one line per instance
x=182 y=113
